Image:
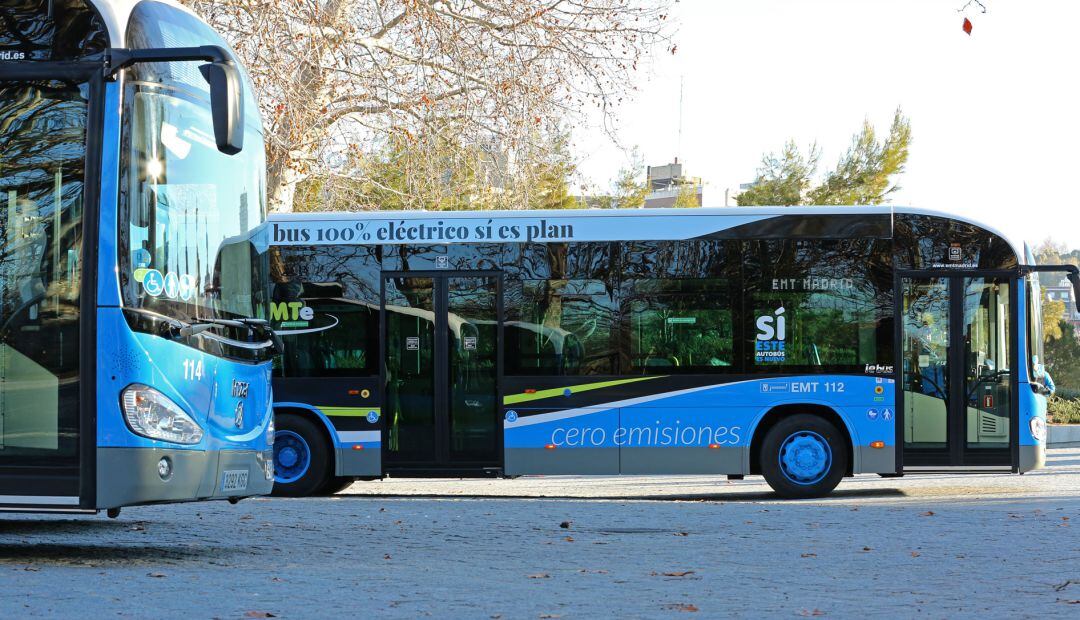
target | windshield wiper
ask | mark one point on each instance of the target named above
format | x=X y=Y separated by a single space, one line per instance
x=178 y=328
x=260 y=328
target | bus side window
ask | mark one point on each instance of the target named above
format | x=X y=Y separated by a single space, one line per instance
x=680 y=326
x=819 y=304
x=559 y=327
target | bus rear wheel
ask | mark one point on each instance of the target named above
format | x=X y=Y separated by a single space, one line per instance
x=301 y=457
x=803 y=456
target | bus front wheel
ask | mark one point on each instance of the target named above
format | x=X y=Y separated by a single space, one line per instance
x=803 y=456
x=301 y=457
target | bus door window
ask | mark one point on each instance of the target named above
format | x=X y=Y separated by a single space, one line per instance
x=987 y=371
x=410 y=365
x=925 y=381
x=472 y=335
x=43 y=133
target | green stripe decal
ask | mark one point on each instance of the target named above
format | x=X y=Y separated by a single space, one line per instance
x=348 y=412
x=574 y=389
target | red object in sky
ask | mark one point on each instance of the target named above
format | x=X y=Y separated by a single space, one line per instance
x=967 y=26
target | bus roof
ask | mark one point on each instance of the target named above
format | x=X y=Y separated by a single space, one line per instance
x=115 y=14
x=724 y=216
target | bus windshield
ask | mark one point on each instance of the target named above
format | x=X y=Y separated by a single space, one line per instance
x=43 y=133
x=192 y=212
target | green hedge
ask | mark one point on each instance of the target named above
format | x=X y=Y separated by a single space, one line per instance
x=1063 y=410
x=1067 y=393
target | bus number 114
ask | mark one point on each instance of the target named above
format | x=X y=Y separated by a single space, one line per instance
x=193 y=370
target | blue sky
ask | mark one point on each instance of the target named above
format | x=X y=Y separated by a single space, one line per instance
x=994 y=115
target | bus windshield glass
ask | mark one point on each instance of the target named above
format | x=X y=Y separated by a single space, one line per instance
x=43 y=133
x=193 y=213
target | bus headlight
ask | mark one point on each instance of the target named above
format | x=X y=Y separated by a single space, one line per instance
x=1038 y=428
x=152 y=414
x=270 y=431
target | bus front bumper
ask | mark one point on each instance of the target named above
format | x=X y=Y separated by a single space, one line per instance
x=131 y=476
x=1032 y=457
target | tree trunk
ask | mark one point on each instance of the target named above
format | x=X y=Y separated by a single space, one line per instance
x=281 y=182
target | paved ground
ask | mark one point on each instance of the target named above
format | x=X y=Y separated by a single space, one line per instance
x=937 y=546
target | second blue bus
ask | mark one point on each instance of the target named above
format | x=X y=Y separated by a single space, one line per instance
x=802 y=344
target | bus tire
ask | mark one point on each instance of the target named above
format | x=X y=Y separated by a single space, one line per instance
x=803 y=456
x=336 y=484
x=301 y=457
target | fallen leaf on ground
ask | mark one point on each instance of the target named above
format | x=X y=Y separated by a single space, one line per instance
x=689 y=607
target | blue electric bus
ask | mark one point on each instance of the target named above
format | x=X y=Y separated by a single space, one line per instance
x=134 y=352
x=802 y=344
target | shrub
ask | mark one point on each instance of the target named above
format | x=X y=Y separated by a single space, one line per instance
x=1063 y=410
x=1067 y=393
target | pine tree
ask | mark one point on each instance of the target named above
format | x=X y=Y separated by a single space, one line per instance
x=863 y=175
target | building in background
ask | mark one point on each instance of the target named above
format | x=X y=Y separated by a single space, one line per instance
x=668 y=187
x=1062 y=291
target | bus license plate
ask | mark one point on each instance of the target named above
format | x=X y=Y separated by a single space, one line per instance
x=234 y=480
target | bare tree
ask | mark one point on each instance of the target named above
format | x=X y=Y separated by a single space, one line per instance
x=341 y=79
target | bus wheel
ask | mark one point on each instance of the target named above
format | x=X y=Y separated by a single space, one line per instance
x=336 y=484
x=301 y=461
x=803 y=456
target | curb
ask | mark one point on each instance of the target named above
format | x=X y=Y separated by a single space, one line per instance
x=1062 y=433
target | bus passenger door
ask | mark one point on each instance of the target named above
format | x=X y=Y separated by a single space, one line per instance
x=441 y=336
x=47 y=373
x=957 y=372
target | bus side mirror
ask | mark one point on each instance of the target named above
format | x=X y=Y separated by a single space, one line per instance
x=226 y=105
